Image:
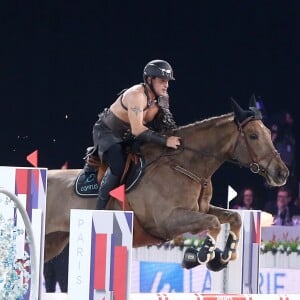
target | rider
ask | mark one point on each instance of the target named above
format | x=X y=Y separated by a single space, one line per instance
x=139 y=113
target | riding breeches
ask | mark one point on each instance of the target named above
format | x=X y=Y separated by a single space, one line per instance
x=115 y=159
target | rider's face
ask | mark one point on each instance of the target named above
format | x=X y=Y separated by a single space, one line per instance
x=160 y=86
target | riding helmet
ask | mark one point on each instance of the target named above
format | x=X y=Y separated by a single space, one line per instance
x=158 y=68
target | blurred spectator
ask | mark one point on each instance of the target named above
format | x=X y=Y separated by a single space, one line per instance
x=283 y=208
x=284 y=141
x=246 y=199
x=56 y=271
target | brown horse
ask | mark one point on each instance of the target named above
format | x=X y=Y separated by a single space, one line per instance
x=173 y=196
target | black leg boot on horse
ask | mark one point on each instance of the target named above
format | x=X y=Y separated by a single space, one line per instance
x=108 y=183
x=194 y=257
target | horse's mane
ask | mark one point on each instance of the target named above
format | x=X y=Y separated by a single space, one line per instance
x=212 y=121
x=150 y=150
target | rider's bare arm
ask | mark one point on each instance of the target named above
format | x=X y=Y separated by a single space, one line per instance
x=136 y=103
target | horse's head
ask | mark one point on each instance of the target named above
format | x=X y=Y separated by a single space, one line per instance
x=254 y=147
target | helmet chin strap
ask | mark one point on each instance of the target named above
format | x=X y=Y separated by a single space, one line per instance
x=152 y=88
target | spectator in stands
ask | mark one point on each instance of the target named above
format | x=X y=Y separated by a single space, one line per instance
x=284 y=141
x=56 y=271
x=283 y=209
x=246 y=199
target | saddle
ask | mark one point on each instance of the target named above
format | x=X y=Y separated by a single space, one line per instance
x=88 y=180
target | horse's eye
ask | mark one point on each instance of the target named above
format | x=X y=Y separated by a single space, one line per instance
x=253 y=136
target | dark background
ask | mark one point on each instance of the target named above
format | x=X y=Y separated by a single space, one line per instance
x=62 y=62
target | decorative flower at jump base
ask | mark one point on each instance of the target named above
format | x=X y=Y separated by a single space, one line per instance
x=282 y=247
x=14 y=273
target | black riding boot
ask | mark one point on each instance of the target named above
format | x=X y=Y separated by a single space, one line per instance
x=108 y=183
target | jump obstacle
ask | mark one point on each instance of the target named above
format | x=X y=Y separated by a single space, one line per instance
x=25 y=225
x=115 y=233
x=237 y=282
x=240 y=277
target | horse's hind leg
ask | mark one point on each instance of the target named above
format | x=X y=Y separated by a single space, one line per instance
x=234 y=219
x=55 y=242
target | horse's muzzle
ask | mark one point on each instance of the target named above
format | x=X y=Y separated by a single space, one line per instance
x=283 y=175
x=279 y=177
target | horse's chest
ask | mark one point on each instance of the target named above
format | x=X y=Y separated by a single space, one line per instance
x=205 y=197
x=203 y=205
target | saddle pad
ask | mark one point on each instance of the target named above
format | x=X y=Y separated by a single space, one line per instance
x=86 y=184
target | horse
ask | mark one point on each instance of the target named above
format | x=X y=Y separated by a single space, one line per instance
x=173 y=196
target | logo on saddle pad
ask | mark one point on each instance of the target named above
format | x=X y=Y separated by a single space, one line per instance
x=87 y=185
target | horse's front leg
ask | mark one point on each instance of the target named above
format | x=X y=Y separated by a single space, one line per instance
x=234 y=219
x=182 y=221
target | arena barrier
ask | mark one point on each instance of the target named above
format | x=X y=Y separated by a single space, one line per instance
x=22 y=221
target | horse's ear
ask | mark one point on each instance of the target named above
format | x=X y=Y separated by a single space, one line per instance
x=238 y=111
x=252 y=101
x=253 y=107
x=240 y=114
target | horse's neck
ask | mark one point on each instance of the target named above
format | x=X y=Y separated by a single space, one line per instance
x=207 y=147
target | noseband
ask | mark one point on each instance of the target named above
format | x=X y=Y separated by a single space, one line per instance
x=254 y=165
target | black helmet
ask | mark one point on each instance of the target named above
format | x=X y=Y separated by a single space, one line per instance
x=158 y=68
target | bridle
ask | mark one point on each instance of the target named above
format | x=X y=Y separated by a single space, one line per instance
x=254 y=165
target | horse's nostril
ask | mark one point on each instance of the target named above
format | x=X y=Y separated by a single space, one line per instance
x=286 y=174
x=282 y=174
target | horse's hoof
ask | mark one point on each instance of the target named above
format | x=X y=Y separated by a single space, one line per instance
x=215 y=264
x=190 y=258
